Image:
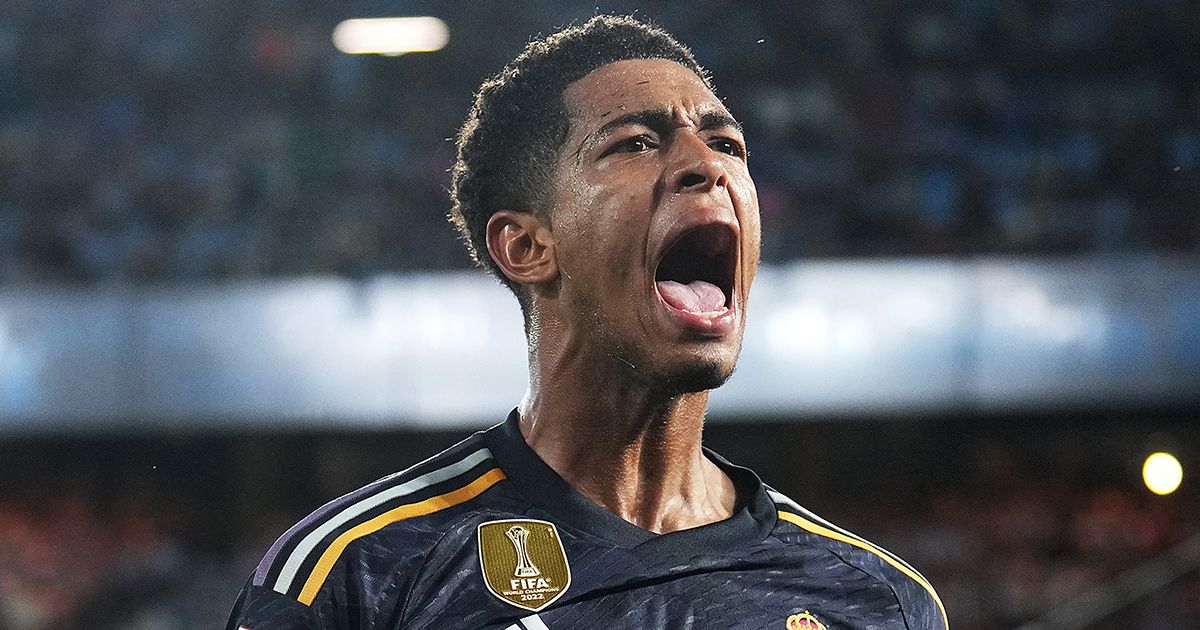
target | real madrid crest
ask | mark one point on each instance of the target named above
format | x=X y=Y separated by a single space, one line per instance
x=523 y=562
x=804 y=621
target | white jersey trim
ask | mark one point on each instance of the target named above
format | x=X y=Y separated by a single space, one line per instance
x=779 y=497
x=313 y=539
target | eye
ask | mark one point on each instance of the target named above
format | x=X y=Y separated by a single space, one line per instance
x=726 y=145
x=635 y=144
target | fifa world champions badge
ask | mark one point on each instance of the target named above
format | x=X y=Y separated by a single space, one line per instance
x=804 y=621
x=523 y=562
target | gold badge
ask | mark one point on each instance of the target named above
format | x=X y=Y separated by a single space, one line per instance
x=523 y=562
x=804 y=621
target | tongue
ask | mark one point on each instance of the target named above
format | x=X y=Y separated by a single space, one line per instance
x=697 y=296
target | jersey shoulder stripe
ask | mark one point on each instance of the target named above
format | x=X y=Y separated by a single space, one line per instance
x=797 y=515
x=800 y=510
x=329 y=557
x=303 y=544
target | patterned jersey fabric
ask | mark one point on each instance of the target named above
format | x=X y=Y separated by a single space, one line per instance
x=486 y=536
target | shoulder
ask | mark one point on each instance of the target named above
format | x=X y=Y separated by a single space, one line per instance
x=385 y=527
x=917 y=596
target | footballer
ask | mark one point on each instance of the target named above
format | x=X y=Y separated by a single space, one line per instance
x=601 y=179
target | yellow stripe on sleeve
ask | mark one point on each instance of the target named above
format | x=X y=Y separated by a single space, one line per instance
x=810 y=526
x=433 y=504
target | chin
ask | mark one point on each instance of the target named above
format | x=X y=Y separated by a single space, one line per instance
x=698 y=376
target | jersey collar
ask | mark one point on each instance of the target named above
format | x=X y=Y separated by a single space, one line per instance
x=533 y=478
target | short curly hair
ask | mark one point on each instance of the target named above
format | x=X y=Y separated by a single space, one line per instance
x=509 y=144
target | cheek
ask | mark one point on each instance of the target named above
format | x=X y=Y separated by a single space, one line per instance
x=618 y=224
x=746 y=200
x=597 y=237
x=572 y=217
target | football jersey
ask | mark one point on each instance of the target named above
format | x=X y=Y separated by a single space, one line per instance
x=486 y=536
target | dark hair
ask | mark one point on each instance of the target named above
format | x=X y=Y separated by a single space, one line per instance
x=509 y=144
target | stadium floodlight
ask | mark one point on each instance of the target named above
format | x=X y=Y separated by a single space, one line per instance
x=1162 y=473
x=390 y=36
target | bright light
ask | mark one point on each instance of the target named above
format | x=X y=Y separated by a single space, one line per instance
x=390 y=36
x=1162 y=473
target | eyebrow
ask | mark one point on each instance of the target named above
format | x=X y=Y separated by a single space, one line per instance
x=660 y=121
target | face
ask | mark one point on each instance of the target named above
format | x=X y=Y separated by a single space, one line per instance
x=655 y=222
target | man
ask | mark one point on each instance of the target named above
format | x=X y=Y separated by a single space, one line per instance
x=602 y=181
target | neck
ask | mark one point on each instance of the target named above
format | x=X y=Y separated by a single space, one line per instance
x=617 y=441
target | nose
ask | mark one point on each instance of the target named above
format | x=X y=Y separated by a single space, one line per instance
x=695 y=167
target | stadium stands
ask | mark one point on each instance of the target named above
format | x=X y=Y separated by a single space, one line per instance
x=145 y=143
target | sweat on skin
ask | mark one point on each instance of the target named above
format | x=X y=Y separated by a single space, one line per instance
x=620 y=362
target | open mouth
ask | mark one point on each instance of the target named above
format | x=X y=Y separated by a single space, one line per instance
x=696 y=273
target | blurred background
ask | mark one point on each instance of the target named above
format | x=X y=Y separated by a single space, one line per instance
x=228 y=291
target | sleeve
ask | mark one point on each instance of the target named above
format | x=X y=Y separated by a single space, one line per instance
x=261 y=608
x=922 y=607
x=364 y=583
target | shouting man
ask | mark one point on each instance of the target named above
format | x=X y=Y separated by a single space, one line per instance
x=601 y=180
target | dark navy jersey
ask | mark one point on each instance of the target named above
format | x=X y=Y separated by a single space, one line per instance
x=487 y=536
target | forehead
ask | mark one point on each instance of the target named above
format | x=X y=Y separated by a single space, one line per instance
x=635 y=85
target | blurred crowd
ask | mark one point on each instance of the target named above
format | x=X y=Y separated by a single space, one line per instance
x=76 y=557
x=109 y=542
x=169 y=141
x=999 y=559
x=67 y=560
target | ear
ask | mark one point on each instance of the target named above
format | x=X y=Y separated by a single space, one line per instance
x=523 y=247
